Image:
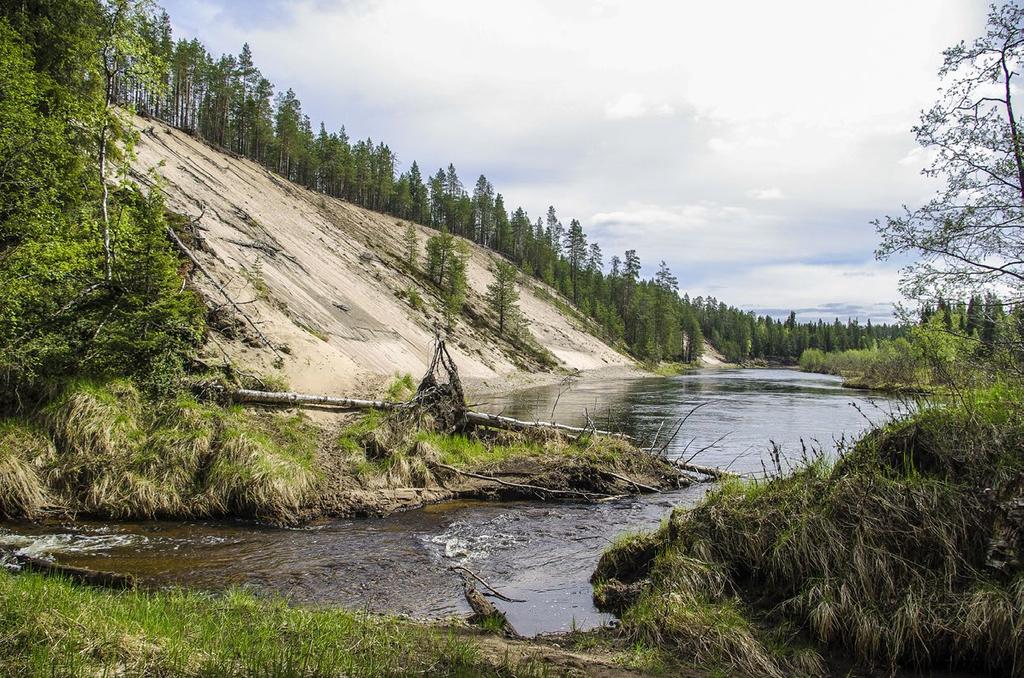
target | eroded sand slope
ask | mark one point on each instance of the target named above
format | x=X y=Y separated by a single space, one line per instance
x=324 y=279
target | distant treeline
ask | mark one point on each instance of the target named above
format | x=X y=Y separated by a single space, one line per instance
x=228 y=102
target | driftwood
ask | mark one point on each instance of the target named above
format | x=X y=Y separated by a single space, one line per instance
x=484 y=609
x=494 y=592
x=709 y=471
x=188 y=253
x=521 y=486
x=79 y=574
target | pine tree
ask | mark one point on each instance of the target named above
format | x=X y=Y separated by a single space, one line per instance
x=503 y=298
x=412 y=246
x=575 y=254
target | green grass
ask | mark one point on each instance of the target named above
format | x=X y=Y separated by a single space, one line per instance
x=401 y=388
x=51 y=627
x=899 y=554
x=471 y=452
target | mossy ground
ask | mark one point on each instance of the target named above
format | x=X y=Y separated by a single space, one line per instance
x=907 y=551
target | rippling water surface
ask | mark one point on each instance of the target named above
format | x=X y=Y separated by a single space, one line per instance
x=541 y=552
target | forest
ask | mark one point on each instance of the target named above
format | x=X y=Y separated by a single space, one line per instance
x=228 y=102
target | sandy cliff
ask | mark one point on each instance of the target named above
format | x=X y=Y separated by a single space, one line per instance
x=324 y=279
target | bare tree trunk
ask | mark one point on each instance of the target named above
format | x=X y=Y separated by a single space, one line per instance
x=1013 y=126
x=108 y=252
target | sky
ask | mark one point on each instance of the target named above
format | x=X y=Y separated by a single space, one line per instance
x=748 y=144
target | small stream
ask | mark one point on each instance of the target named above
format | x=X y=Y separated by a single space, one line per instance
x=540 y=552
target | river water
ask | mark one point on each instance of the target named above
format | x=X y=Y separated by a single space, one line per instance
x=540 y=552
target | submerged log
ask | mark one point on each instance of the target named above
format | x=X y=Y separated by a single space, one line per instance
x=79 y=574
x=484 y=610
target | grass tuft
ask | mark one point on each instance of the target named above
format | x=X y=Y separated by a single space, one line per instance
x=904 y=552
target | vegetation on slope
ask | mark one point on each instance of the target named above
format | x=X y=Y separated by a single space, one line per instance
x=51 y=627
x=228 y=102
x=907 y=550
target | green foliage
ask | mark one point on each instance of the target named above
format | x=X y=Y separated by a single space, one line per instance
x=412 y=246
x=447 y=258
x=62 y=317
x=53 y=627
x=402 y=387
x=503 y=298
x=900 y=553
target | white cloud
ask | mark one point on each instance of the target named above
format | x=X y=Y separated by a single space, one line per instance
x=609 y=108
x=864 y=289
x=633 y=105
x=772 y=193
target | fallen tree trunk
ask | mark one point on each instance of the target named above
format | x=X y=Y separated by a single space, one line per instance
x=79 y=574
x=510 y=424
x=245 y=395
x=709 y=471
x=484 y=610
x=293 y=399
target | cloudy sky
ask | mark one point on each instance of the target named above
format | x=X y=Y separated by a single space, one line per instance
x=748 y=144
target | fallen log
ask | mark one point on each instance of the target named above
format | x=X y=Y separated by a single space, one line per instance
x=245 y=395
x=590 y=496
x=494 y=591
x=81 y=575
x=510 y=424
x=709 y=471
x=484 y=610
x=293 y=399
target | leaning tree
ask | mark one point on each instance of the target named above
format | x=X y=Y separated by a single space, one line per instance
x=969 y=238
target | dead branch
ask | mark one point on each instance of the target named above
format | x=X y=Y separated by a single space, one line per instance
x=490 y=588
x=590 y=496
x=709 y=471
x=187 y=252
x=510 y=424
x=635 y=484
x=484 y=609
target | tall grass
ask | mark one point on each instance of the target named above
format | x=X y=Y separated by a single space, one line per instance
x=103 y=449
x=23 y=451
x=903 y=552
x=51 y=627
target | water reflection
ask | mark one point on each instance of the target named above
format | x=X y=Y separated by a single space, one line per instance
x=749 y=407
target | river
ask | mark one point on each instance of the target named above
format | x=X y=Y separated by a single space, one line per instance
x=540 y=552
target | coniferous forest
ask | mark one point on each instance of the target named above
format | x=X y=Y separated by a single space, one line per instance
x=228 y=102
